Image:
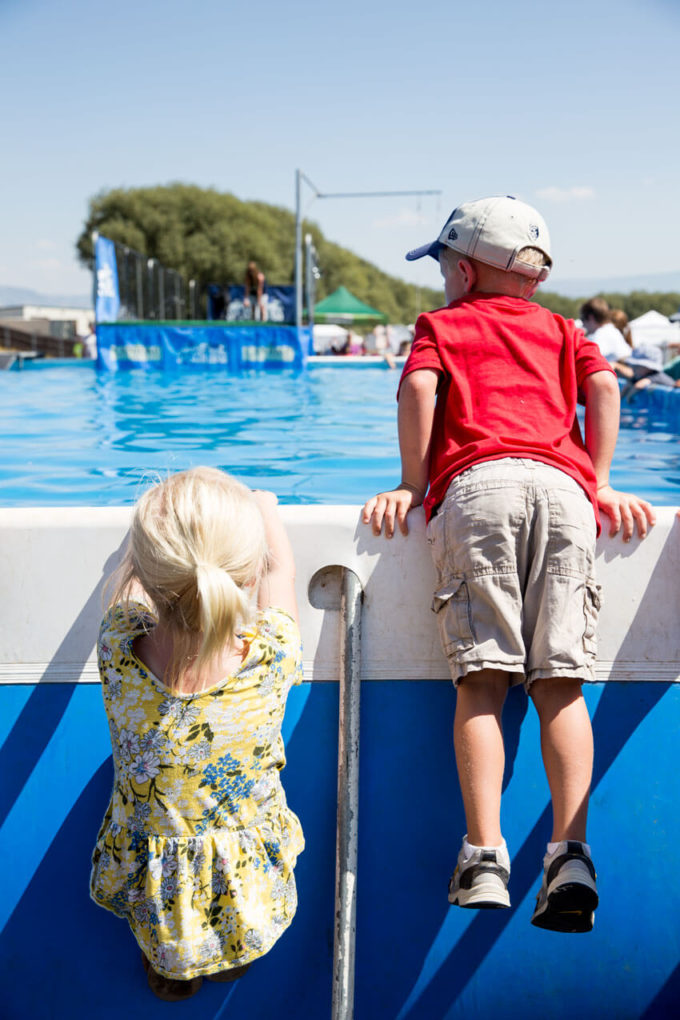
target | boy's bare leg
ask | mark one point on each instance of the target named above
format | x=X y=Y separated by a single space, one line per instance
x=567 y=748
x=480 y=754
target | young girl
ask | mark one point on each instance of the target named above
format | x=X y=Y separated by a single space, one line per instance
x=197 y=847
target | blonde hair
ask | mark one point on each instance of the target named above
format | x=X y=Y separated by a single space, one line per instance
x=196 y=542
x=533 y=257
x=503 y=280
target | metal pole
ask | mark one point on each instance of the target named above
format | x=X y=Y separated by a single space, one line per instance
x=140 y=289
x=299 y=177
x=347 y=832
x=149 y=267
x=309 y=279
x=94 y=235
x=298 y=252
x=126 y=280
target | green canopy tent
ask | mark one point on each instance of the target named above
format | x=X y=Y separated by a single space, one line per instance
x=343 y=307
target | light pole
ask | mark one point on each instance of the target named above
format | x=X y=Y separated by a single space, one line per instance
x=299 y=178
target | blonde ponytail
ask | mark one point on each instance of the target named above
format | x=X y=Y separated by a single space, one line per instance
x=197 y=547
x=223 y=605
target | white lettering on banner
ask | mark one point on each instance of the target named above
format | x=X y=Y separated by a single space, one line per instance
x=203 y=354
x=134 y=352
x=105 y=283
x=259 y=354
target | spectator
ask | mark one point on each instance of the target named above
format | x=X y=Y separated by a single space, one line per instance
x=596 y=318
x=620 y=320
x=644 y=367
x=89 y=342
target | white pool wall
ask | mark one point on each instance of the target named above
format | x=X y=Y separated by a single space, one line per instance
x=54 y=562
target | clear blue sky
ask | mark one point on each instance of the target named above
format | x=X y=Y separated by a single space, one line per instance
x=571 y=106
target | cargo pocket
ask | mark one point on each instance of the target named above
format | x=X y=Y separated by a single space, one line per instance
x=451 y=604
x=592 y=600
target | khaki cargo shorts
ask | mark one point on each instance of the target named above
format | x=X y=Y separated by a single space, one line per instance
x=513 y=544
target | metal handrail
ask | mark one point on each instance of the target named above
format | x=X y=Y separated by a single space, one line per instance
x=347 y=831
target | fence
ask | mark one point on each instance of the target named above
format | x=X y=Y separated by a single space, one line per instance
x=149 y=290
x=41 y=343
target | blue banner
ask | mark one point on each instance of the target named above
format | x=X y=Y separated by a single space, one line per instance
x=107 y=302
x=234 y=348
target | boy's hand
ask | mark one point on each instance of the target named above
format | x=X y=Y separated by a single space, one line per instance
x=625 y=510
x=388 y=506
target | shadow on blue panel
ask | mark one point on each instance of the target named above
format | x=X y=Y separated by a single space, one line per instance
x=63 y=956
x=47 y=703
x=666 y=1004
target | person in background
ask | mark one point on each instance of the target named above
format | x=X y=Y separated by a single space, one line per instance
x=89 y=342
x=644 y=367
x=356 y=344
x=596 y=318
x=197 y=653
x=620 y=320
x=253 y=292
x=352 y=345
x=487 y=423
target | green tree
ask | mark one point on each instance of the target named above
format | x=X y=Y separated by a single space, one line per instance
x=558 y=303
x=634 y=304
x=210 y=236
x=640 y=301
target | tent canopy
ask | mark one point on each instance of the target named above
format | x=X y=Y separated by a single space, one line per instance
x=654 y=328
x=342 y=306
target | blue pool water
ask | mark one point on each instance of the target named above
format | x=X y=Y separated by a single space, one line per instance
x=72 y=436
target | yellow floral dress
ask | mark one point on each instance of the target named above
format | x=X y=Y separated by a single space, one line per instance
x=197 y=847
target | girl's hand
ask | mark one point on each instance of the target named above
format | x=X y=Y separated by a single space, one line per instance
x=625 y=510
x=277 y=587
x=267 y=501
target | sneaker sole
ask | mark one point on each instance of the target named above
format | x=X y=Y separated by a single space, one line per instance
x=569 y=908
x=486 y=894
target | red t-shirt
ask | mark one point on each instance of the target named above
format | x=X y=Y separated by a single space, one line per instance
x=510 y=372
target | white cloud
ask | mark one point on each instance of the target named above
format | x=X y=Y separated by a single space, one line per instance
x=577 y=193
x=49 y=264
x=44 y=245
x=404 y=218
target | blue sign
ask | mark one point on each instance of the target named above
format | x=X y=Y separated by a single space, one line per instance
x=107 y=301
x=234 y=348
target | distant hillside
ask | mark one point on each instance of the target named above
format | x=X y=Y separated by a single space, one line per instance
x=585 y=287
x=210 y=236
x=26 y=296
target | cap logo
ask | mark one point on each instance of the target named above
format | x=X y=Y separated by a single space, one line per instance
x=452 y=235
x=533 y=232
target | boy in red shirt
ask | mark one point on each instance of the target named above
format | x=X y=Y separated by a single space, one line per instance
x=491 y=446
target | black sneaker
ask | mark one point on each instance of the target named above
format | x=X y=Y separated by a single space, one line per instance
x=481 y=881
x=568 y=896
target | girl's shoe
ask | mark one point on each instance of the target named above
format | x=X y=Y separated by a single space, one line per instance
x=568 y=896
x=231 y=974
x=170 y=989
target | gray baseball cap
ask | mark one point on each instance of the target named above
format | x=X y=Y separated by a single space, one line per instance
x=493 y=230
